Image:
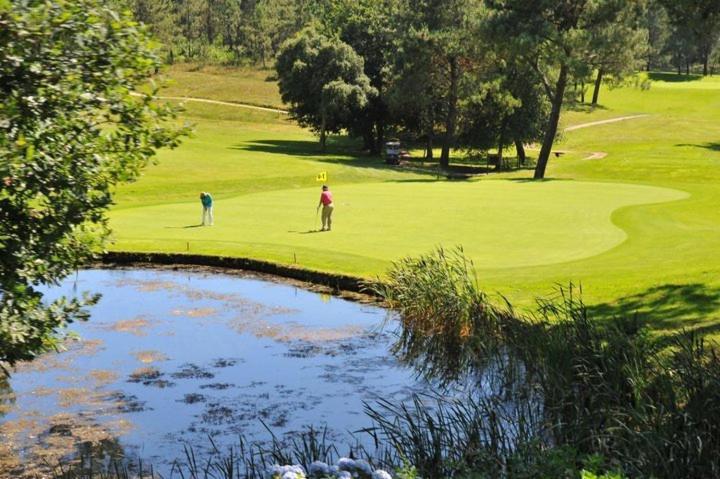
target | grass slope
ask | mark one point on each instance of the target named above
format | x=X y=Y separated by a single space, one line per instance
x=639 y=228
x=240 y=85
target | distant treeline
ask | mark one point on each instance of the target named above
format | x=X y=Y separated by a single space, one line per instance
x=224 y=31
x=680 y=35
x=476 y=74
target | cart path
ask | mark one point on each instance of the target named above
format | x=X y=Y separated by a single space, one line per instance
x=603 y=122
x=218 y=102
x=596 y=155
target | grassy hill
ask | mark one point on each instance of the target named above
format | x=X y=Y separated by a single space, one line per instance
x=638 y=226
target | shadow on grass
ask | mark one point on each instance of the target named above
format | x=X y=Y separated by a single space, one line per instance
x=184 y=227
x=584 y=107
x=308 y=232
x=533 y=180
x=669 y=306
x=713 y=146
x=673 y=77
x=339 y=151
x=344 y=151
x=335 y=146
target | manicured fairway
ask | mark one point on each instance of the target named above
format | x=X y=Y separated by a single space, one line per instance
x=501 y=224
x=639 y=228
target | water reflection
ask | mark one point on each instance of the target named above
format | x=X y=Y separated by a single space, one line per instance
x=7 y=397
x=170 y=358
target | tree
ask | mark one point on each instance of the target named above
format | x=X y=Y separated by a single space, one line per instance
x=553 y=37
x=485 y=116
x=699 y=22
x=436 y=50
x=617 y=48
x=656 y=22
x=525 y=122
x=71 y=128
x=414 y=96
x=370 y=27
x=322 y=80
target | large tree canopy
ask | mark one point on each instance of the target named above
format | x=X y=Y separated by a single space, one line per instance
x=71 y=127
x=323 y=81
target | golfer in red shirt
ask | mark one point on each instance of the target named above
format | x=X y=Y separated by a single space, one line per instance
x=326 y=201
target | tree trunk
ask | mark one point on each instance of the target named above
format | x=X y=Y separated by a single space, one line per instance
x=598 y=82
x=368 y=141
x=706 y=61
x=380 y=136
x=501 y=145
x=429 y=147
x=687 y=68
x=582 y=92
x=520 y=148
x=323 y=132
x=452 y=114
x=553 y=121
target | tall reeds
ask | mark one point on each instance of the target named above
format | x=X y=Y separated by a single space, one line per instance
x=648 y=405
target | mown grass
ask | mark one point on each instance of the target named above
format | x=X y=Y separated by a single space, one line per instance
x=248 y=85
x=261 y=169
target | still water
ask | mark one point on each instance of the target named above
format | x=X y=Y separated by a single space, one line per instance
x=172 y=357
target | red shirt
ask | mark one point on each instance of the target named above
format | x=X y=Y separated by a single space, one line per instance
x=326 y=198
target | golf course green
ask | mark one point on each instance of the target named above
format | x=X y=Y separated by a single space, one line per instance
x=630 y=209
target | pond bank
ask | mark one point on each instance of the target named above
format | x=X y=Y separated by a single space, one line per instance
x=337 y=283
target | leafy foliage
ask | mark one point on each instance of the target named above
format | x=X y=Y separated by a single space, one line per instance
x=71 y=128
x=323 y=81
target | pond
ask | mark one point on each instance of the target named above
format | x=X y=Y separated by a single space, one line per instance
x=172 y=357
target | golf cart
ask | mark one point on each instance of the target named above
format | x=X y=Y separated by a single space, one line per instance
x=392 y=152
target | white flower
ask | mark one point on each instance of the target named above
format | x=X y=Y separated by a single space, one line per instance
x=380 y=474
x=363 y=467
x=346 y=464
x=285 y=472
x=319 y=469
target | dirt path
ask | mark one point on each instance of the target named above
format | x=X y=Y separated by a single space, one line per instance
x=597 y=155
x=603 y=122
x=224 y=103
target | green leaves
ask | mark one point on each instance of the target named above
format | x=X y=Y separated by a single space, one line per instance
x=323 y=81
x=70 y=129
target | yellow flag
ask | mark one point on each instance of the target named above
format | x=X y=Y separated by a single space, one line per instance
x=322 y=176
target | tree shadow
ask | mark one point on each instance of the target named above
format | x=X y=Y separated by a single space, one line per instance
x=669 y=306
x=334 y=147
x=344 y=151
x=533 y=180
x=673 y=77
x=584 y=107
x=713 y=146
